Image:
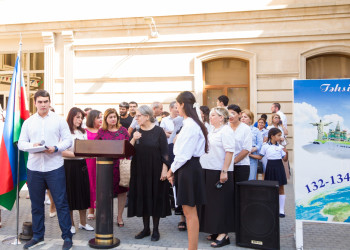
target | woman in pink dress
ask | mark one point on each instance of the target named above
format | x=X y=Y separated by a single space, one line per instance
x=113 y=130
x=93 y=124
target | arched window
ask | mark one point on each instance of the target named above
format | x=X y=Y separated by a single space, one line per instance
x=226 y=76
x=328 y=66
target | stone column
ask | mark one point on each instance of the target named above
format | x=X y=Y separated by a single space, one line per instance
x=68 y=99
x=49 y=63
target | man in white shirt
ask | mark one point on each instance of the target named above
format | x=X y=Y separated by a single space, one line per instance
x=276 y=108
x=157 y=108
x=45 y=169
x=167 y=123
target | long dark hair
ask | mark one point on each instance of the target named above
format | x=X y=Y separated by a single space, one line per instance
x=206 y=112
x=90 y=120
x=273 y=132
x=188 y=99
x=72 y=113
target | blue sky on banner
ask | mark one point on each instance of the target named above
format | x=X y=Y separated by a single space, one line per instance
x=328 y=100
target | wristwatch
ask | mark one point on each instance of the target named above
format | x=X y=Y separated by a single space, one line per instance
x=224 y=171
x=56 y=149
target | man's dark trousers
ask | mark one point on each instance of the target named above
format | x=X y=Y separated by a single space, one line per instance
x=55 y=181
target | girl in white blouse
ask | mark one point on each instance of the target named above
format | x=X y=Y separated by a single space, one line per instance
x=274 y=153
x=217 y=216
x=190 y=144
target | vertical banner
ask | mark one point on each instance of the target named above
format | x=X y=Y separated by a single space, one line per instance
x=322 y=150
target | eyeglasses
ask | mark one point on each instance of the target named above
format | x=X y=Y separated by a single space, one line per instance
x=138 y=116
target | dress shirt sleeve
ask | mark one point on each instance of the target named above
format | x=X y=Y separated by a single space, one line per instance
x=259 y=140
x=66 y=136
x=228 y=139
x=163 y=146
x=283 y=154
x=186 y=144
x=133 y=123
x=247 y=143
x=24 y=140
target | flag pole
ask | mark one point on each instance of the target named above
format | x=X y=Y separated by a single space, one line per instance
x=18 y=153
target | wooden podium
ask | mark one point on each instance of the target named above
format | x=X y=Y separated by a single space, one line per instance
x=105 y=151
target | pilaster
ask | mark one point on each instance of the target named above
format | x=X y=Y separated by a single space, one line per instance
x=49 y=63
x=68 y=38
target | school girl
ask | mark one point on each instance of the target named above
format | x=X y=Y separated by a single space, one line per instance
x=275 y=153
x=191 y=143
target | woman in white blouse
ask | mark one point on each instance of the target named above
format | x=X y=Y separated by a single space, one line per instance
x=243 y=144
x=217 y=216
x=191 y=144
x=77 y=176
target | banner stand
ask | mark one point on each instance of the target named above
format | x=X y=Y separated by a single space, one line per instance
x=299 y=241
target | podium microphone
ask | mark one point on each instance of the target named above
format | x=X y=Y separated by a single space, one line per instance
x=42 y=143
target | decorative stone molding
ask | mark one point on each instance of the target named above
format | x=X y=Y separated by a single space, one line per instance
x=225 y=53
x=68 y=38
x=49 y=63
x=332 y=49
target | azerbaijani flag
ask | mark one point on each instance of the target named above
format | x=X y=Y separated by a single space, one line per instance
x=16 y=112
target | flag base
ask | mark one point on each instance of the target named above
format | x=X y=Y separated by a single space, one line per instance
x=13 y=240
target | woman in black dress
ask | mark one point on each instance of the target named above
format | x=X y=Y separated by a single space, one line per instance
x=77 y=177
x=148 y=194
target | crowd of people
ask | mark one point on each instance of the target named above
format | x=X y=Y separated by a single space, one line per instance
x=200 y=153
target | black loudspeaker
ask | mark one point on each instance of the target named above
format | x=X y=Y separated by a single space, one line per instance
x=257 y=214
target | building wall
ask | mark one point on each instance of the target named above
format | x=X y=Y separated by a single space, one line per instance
x=100 y=63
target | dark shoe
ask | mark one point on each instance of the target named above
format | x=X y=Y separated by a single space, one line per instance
x=68 y=244
x=220 y=243
x=182 y=226
x=143 y=234
x=212 y=237
x=155 y=236
x=33 y=243
x=282 y=215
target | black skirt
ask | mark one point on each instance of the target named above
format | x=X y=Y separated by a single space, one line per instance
x=275 y=172
x=217 y=216
x=77 y=182
x=190 y=184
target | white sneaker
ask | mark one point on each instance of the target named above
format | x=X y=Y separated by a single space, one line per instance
x=72 y=229
x=87 y=227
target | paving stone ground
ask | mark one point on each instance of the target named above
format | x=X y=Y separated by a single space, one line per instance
x=316 y=235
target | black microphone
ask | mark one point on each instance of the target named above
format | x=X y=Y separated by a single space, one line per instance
x=138 y=140
x=42 y=143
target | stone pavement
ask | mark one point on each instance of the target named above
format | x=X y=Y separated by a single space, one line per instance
x=316 y=235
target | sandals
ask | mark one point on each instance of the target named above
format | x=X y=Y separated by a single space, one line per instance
x=120 y=224
x=91 y=217
x=212 y=237
x=182 y=226
x=220 y=243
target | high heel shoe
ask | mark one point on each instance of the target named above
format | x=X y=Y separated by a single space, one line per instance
x=220 y=243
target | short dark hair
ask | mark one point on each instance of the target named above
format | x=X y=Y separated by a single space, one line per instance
x=124 y=105
x=224 y=99
x=42 y=93
x=72 y=113
x=87 y=109
x=93 y=114
x=132 y=102
x=235 y=108
x=277 y=105
x=264 y=116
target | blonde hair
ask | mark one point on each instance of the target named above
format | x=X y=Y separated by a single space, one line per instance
x=221 y=112
x=273 y=116
x=249 y=114
x=106 y=114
